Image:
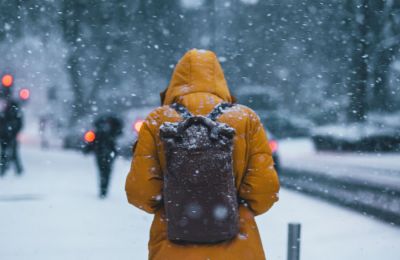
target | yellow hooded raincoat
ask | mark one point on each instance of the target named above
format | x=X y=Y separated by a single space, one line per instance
x=198 y=83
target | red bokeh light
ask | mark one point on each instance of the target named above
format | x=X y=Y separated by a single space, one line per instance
x=90 y=136
x=273 y=145
x=137 y=125
x=7 y=80
x=24 y=94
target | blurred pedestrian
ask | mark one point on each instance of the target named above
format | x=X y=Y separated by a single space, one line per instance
x=102 y=142
x=11 y=124
x=43 y=131
x=203 y=166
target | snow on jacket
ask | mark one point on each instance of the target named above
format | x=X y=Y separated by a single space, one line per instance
x=198 y=83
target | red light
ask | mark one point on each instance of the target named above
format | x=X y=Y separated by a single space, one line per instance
x=137 y=125
x=7 y=80
x=24 y=94
x=90 y=136
x=273 y=145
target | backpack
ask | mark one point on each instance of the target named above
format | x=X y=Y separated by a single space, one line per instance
x=200 y=197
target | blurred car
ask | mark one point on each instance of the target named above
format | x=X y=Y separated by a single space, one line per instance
x=127 y=140
x=74 y=138
x=133 y=120
x=286 y=124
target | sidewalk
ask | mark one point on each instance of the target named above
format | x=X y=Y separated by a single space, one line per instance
x=52 y=212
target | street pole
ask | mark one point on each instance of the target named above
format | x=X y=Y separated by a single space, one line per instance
x=293 y=252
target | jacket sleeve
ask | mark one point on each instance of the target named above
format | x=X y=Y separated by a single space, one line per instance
x=260 y=184
x=144 y=182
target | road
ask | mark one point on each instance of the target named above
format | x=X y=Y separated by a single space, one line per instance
x=366 y=182
x=374 y=167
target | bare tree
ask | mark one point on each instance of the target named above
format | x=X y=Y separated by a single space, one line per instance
x=72 y=13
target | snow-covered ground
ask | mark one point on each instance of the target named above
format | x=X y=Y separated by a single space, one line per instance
x=52 y=212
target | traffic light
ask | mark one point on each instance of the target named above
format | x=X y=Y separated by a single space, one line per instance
x=7 y=80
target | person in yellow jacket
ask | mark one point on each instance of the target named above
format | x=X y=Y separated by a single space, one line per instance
x=199 y=84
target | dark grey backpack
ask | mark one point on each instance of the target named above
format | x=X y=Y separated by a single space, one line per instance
x=200 y=197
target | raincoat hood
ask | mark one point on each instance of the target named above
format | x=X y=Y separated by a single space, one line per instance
x=197 y=72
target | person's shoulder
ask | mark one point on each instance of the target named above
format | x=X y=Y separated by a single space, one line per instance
x=156 y=112
x=244 y=111
x=162 y=113
x=158 y=116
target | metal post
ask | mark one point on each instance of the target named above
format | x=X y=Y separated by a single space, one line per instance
x=294 y=241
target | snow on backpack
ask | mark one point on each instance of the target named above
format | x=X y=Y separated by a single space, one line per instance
x=200 y=197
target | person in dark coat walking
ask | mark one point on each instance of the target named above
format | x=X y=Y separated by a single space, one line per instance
x=103 y=144
x=11 y=124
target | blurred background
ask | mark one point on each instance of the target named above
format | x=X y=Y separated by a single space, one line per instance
x=324 y=77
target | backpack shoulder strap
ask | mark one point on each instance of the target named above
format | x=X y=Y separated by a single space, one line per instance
x=181 y=110
x=219 y=110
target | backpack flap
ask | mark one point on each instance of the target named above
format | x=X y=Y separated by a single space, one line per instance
x=172 y=132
